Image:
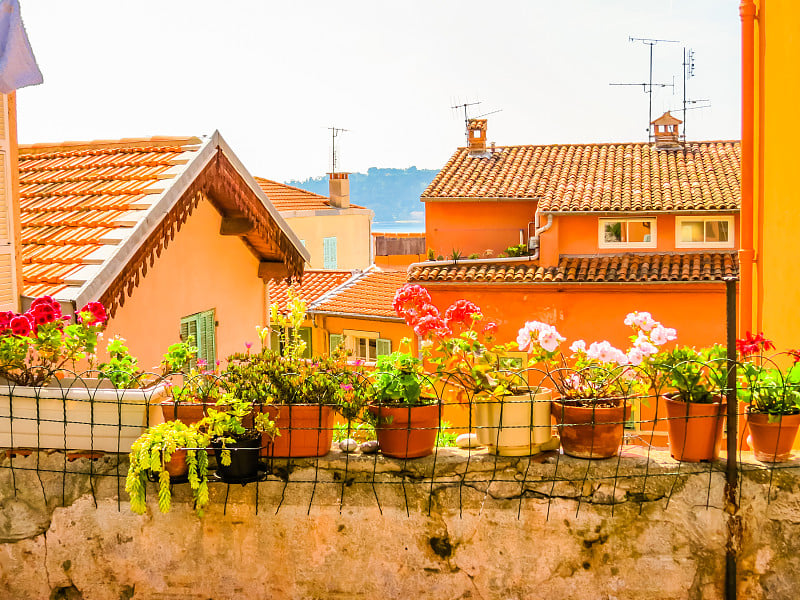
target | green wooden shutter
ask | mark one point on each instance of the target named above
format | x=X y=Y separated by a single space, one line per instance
x=383 y=347
x=336 y=340
x=202 y=327
x=329 y=253
x=305 y=335
x=275 y=339
x=189 y=329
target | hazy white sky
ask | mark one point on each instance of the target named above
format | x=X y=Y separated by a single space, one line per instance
x=272 y=76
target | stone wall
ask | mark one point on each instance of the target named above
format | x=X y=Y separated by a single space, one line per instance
x=484 y=528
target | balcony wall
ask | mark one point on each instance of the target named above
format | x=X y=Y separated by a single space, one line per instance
x=372 y=527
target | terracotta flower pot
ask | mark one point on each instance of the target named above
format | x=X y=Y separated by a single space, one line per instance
x=176 y=465
x=305 y=430
x=590 y=432
x=185 y=412
x=772 y=442
x=516 y=425
x=406 y=431
x=694 y=429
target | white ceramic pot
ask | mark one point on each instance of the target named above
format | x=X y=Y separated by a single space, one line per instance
x=517 y=425
x=77 y=415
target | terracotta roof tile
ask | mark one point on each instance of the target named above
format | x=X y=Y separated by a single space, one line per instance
x=287 y=197
x=314 y=285
x=370 y=295
x=605 y=268
x=72 y=195
x=598 y=177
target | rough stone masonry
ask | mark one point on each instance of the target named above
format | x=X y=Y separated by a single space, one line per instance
x=457 y=525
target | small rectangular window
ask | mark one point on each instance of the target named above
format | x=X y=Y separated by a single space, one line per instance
x=202 y=328
x=704 y=232
x=329 y=257
x=627 y=233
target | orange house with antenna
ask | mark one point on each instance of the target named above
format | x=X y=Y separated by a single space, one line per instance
x=608 y=229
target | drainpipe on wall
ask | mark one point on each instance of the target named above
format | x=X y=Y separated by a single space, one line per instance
x=747 y=259
x=533 y=243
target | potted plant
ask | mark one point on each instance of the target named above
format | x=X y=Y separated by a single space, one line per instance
x=509 y=417
x=236 y=431
x=696 y=406
x=192 y=392
x=168 y=451
x=405 y=409
x=597 y=384
x=773 y=399
x=300 y=395
x=42 y=408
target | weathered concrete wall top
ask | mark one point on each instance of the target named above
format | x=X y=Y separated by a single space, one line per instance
x=486 y=527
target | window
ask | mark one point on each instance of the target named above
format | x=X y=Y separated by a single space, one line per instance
x=278 y=339
x=627 y=233
x=202 y=328
x=329 y=253
x=365 y=345
x=693 y=232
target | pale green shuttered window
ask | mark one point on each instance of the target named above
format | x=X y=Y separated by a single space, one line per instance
x=202 y=327
x=329 y=260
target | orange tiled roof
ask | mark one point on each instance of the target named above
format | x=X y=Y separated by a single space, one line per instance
x=314 y=285
x=598 y=177
x=603 y=268
x=370 y=295
x=76 y=196
x=287 y=197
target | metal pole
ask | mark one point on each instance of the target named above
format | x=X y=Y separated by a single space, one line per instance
x=731 y=471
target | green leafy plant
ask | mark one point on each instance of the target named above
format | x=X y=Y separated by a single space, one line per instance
x=455 y=254
x=121 y=369
x=517 y=250
x=695 y=375
x=444 y=437
x=474 y=256
x=178 y=357
x=37 y=344
x=226 y=424
x=431 y=254
x=766 y=387
x=156 y=447
x=361 y=432
x=399 y=379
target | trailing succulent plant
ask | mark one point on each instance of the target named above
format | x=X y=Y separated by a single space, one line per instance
x=153 y=450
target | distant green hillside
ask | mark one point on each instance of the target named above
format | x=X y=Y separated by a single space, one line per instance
x=393 y=194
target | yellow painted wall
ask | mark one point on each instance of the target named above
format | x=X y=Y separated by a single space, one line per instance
x=777 y=194
x=352 y=233
x=198 y=271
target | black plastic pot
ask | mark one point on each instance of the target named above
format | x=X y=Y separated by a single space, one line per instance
x=244 y=465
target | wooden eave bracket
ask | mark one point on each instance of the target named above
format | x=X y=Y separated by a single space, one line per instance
x=236 y=226
x=272 y=270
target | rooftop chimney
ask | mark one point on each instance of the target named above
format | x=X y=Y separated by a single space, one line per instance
x=666 y=133
x=476 y=134
x=339 y=189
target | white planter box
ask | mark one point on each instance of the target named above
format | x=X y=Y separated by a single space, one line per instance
x=77 y=415
x=516 y=425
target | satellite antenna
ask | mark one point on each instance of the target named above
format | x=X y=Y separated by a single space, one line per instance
x=648 y=86
x=335 y=131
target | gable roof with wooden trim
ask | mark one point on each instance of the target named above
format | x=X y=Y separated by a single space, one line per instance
x=700 y=176
x=95 y=215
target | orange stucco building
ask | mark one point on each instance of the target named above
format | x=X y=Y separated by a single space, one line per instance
x=607 y=229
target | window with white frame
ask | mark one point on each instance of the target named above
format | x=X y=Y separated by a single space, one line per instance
x=627 y=233
x=364 y=345
x=704 y=232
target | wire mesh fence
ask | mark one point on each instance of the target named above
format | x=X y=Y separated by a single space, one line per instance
x=552 y=437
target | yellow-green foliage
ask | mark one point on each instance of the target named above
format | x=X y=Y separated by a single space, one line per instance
x=155 y=447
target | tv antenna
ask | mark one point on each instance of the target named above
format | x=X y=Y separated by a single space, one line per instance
x=335 y=131
x=465 y=105
x=648 y=86
x=688 y=72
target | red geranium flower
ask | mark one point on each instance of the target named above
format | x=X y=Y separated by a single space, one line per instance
x=408 y=300
x=490 y=328
x=42 y=313
x=753 y=344
x=20 y=325
x=795 y=354
x=431 y=325
x=461 y=311
x=97 y=312
x=5 y=319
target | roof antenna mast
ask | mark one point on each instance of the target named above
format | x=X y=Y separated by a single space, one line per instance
x=648 y=86
x=335 y=131
x=466 y=115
